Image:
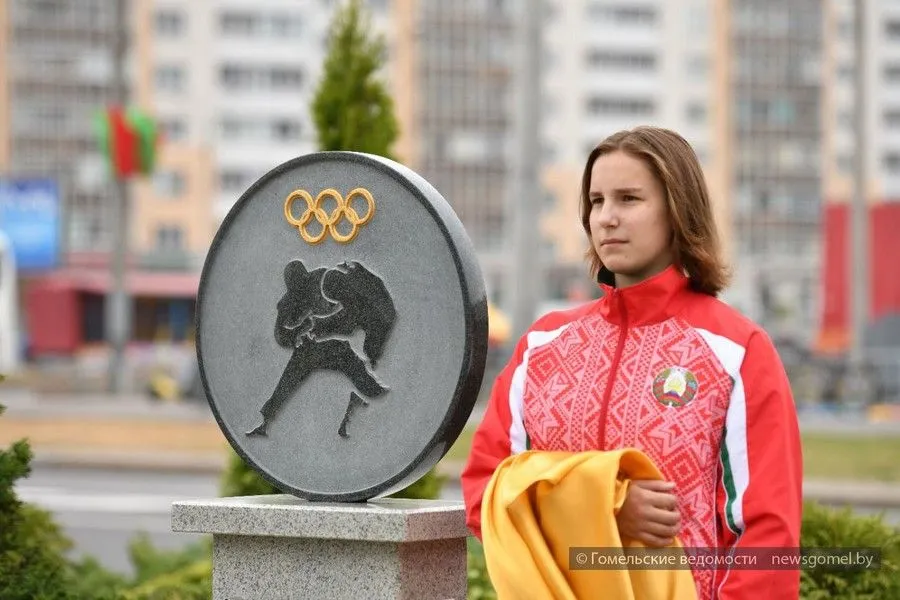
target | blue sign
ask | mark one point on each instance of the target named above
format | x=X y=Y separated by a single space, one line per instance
x=30 y=218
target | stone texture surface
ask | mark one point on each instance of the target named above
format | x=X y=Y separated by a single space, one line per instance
x=283 y=515
x=251 y=568
x=431 y=363
x=282 y=547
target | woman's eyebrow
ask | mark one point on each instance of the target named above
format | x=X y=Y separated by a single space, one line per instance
x=620 y=191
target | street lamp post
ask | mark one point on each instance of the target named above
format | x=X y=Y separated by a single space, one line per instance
x=859 y=256
x=525 y=185
x=117 y=306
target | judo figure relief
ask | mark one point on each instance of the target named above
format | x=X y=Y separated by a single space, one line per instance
x=318 y=308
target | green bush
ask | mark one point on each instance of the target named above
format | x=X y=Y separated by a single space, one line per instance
x=32 y=547
x=150 y=563
x=479 y=582
x=239 y=479
x=427 y=487
x=829 y=528
x=89 y=580
x=822 y=528
x=184 y=574
x=190 y=582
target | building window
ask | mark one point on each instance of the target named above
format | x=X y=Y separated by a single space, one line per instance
x=892 y=73
x=698 y=67
x=620 y=106
x=696 y=113
x=168 y=184
x=845 y=72
x=892 y=118
x=173 y=130
x=279 y=130
x=169 y=23
x=169 y=237
x=846 y=118
x=238 y=23
x=892 y=30
x=285 y=130
x=845 y=163
x=697 y=19
x=264 y=25
x=622 y=14
x=234 y=128
x=233 y=180
x=845 y=29
x=283 y=25
x=243 y=77
x=170 y=78
x=763 y=200
x=234 y=77
x=42 y=9
x=604 y=59
x=285 y=78
x=783 y=112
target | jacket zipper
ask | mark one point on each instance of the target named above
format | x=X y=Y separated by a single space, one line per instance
x=614 y=369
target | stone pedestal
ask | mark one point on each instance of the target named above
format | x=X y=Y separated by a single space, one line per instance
x=283 y=547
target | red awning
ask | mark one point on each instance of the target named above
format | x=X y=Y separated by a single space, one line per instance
x=153 y=284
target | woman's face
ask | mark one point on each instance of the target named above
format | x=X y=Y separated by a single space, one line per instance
x=629 y=220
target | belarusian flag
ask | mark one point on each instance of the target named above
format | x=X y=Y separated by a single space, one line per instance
x=128 y=139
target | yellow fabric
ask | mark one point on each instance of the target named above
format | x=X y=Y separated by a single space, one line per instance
x=539 y=504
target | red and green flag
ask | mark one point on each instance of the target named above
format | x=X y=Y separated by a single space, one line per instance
x=128 y=139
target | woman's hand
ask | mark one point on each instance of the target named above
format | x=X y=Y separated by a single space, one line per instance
x=650 y=513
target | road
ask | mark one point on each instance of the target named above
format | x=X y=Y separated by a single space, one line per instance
x=103 y=510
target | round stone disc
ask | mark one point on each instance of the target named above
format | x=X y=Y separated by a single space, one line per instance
x=341 y=326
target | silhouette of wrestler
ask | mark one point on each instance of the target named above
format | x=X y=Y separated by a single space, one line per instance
x=323 y=303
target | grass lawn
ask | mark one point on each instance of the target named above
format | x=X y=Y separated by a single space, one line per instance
x=824 y=456
x=875 y=458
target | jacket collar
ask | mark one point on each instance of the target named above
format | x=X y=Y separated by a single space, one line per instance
x=653 y=300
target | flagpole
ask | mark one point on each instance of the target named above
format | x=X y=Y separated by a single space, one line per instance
x=118 y=317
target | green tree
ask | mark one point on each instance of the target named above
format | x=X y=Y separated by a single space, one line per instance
x=352 y=108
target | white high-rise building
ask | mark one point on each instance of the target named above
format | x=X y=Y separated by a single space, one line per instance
x=882 y=108
x=614 y=64
x=238 y=78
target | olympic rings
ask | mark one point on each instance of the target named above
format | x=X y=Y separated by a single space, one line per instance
x=329 y=222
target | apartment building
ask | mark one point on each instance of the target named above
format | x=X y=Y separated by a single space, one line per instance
x=453 y=81
x=881 y=110
x=56 y=71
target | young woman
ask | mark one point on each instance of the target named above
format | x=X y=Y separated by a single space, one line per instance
x=659 y=364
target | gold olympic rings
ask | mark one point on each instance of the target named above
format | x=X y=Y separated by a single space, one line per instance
x=329 y=221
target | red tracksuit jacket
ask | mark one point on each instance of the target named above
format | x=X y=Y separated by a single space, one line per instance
x=684 y=378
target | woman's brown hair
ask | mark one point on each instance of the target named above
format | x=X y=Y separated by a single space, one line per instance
x=696 y=244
